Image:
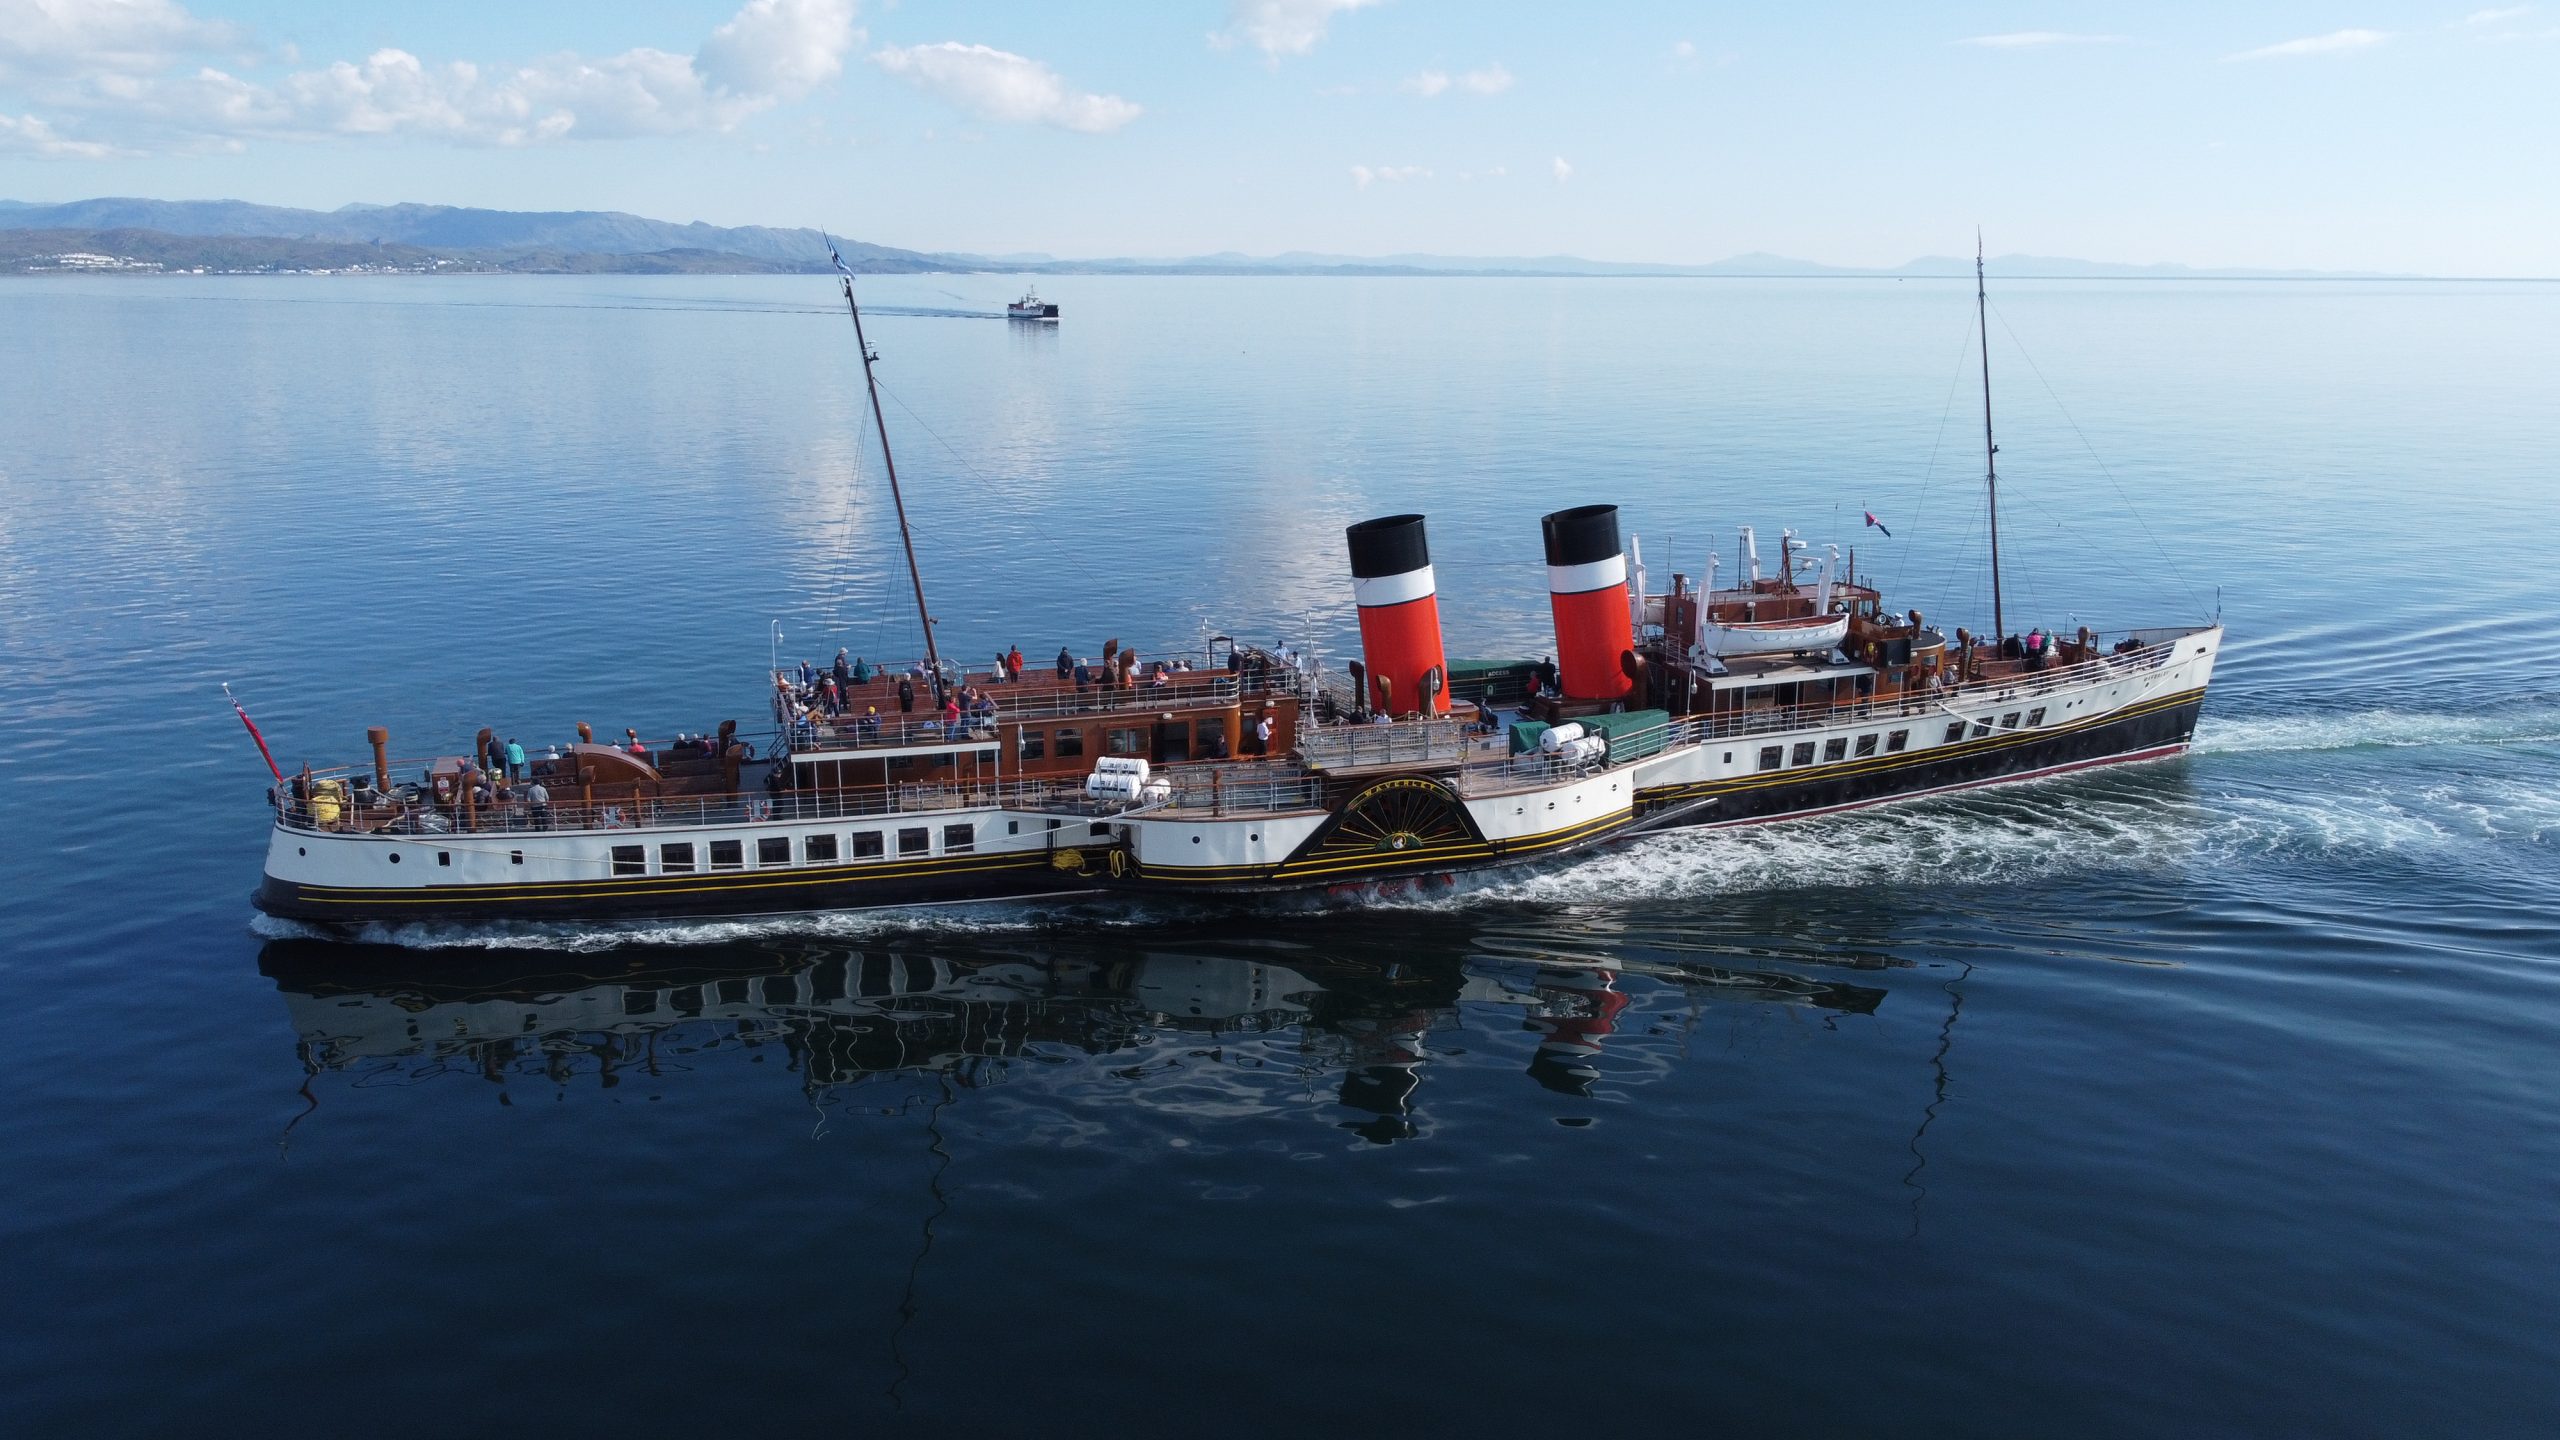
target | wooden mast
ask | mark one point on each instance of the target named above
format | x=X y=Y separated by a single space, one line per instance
x=1990 y=450
x=932 y=655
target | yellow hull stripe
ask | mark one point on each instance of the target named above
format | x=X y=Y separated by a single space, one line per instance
x=1997 y=740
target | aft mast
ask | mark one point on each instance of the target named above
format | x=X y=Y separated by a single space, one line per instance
x=932 y=655
x=1990 y=450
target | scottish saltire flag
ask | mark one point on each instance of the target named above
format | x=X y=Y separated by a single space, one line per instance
x=1872 y=520
x=831 y=253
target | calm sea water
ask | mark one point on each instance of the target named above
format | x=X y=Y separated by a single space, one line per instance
x=2210 y=1097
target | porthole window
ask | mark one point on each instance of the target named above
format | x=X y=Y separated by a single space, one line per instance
x=395 y=857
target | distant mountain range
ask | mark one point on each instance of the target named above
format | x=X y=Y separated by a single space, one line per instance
x=446 y=237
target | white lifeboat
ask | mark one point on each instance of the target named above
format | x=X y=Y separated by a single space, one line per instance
x=1774 y=637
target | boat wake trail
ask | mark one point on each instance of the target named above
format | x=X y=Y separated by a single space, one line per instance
x=2536 y=723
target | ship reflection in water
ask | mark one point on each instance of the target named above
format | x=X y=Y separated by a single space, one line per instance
x=972 y=1014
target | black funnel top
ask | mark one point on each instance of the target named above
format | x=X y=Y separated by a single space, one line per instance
x=1388 y=545
x=1582 y=534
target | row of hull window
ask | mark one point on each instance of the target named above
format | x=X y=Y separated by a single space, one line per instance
x=1778 y=757
x=679 y=857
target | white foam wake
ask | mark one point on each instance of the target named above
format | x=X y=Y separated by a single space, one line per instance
x=2535 y=724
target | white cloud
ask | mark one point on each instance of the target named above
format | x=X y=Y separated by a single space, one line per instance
x=1001 y=85
x=1366 y=175
x=2334 y=43
x=768 y=52
x=1493 y=79
x=1282 y=27
x=1561 y=169
x=68 y=39
x=27 y=135
x=1684 y=50
x=2496 y=16
x=779 y=47
x=2038 y=39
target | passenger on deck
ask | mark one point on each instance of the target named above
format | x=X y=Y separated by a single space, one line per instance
x=1066 y=663
x=1083 y=675
x=1546 y=674
x=906 y=695
x=843 y=672
x=538 y=801
x=1218 y=744
x=808 y=675
x=635 y=747
x=2035 y=648
x=861 y=671
x=1013 y=665
x=871 y=723
x=1262 y=734
x=515 y=759
x=951 y=717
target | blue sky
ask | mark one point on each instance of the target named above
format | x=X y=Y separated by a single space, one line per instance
x=2342 y=134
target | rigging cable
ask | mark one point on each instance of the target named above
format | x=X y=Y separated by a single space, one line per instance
x=2100 y=461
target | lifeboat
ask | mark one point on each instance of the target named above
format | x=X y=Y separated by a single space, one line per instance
x=1774 y=637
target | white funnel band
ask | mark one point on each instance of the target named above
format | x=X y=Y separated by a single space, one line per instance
x=1401 y=589
x=1595 y=575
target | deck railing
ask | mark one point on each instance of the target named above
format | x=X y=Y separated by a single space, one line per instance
x=1407 y=742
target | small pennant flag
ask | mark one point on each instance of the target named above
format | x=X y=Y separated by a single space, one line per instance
x=1872 y=520
x=831 y=253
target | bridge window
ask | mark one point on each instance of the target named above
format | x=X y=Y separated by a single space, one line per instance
x=630 y=859
x=773 y=850
x=866 y=845
x=915 y=840
x=675 y=859
x=728 y=854
x=818 y=849
x=959 y=839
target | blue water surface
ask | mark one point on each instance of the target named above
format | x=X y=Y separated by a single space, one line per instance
x=2204 y=1097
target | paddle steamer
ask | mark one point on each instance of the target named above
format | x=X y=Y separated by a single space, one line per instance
x=1243 y=767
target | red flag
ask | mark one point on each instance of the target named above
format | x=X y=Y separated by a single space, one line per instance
x=253 y=733
x=1872 y=520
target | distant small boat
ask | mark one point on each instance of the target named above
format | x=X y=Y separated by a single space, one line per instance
x=1032 y=307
